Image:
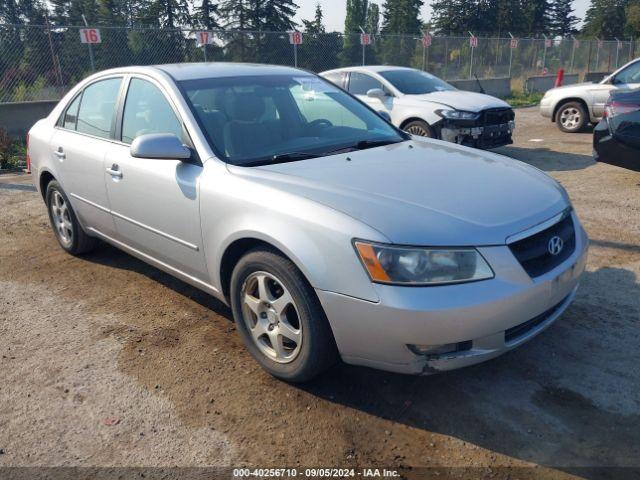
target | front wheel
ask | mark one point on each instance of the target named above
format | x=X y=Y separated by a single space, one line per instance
x=279 y=317
x=419 y=128
x=571 y=117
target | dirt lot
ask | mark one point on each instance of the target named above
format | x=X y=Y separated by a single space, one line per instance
x=107 y=361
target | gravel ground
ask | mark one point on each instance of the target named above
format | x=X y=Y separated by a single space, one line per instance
x=106 y=361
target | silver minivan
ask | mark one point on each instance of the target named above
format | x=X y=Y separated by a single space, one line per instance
x=330 y=232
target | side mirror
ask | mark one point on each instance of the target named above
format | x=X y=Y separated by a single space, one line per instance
x=376 y=93
x=162 y=146
x=385 y=115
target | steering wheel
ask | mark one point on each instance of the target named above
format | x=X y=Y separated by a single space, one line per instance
x=320 y=123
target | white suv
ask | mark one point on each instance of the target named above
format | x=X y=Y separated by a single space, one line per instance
x=573 y=106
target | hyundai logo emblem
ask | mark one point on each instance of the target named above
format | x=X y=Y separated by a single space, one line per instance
x=555 y=245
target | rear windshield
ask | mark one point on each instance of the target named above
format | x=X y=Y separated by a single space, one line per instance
x=415 y=82
x=250 y=120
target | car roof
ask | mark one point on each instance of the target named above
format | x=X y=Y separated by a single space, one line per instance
x=195 y=71
x=368 y=68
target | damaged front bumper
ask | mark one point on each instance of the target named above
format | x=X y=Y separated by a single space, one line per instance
x=488 y=136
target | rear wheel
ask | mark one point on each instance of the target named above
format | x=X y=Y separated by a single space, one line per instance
x=572 y=117
x=279 y=317
x=419 y=128
x=64 y=222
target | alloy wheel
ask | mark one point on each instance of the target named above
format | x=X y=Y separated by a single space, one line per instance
x=570 y=118
x=61 y=218
x=271 y=316
x=417 y=130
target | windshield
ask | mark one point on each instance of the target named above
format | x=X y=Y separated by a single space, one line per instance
x=257 y=120
x=415 y=82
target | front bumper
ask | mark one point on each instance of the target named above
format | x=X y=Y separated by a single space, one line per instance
x=488 y=136
x=488 y=317
x=546 y=107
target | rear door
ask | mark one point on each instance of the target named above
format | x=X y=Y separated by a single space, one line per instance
x=82 y=136
x=155 y=202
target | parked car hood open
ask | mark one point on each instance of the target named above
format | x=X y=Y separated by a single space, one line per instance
x=462 y=100
x=424 y=192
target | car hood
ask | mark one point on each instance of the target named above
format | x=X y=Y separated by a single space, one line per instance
x=576 y=87
x=461 y=100
x=424 y=192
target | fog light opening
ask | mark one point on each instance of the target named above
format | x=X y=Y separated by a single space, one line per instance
x=440 y=350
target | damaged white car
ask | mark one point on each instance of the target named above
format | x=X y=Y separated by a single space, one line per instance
x=424 y=105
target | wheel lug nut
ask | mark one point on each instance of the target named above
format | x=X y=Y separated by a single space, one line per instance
x=271 y=327
x=263 y=315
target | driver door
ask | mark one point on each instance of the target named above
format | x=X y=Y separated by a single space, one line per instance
x=155 y=202
x=361 y=83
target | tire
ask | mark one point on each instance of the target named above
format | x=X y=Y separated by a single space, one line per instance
x=267 y=314
x=70 y=235
x=419 y=128
x=572 y=117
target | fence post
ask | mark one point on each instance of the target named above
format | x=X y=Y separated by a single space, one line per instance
x=544 y=54
x=472 y=50
x=93 y=63
x=573 y=53
x=510 y=54
x=617 y=51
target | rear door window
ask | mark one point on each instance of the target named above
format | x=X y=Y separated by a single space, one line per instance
x=97 y=107
x=69 y=119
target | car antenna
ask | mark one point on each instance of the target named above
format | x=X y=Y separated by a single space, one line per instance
x=479 y=84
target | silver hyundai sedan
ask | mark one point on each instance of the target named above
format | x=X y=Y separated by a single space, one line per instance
x=329 y=232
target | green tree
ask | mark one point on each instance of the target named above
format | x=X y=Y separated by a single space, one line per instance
x=356 y=18
x=562 y=21
x=605 y=18
x=401 y=24
x=320 y=49
x=372 y=24
x=205 y=15
x=633 y=19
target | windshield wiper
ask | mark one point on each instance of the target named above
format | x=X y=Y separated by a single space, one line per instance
x=281 y=158
x=363 y=144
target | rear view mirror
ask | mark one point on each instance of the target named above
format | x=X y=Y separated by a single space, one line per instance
x=376 y=93
x=162 y=146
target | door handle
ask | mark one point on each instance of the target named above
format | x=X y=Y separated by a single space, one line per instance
x=114 y=171
x=60 y=154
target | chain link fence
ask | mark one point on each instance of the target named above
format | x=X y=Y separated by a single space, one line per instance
x=42 y=63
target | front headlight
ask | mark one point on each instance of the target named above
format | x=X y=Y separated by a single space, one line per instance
x=422 y=266
x=458 y=115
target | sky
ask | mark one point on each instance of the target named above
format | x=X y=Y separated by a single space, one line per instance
x=334 y=11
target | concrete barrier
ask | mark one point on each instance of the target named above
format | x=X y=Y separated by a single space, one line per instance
x=542 y=83
x=595 y=77
x=18 y=117
x=498 y=87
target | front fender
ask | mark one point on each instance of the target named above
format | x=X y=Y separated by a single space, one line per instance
x=316 y=238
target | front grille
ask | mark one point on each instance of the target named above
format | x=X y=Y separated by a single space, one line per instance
x=497 y=116
x=533 y=252
x=519 y=331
